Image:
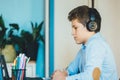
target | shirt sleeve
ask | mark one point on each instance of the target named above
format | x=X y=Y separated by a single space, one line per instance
x=73 y=67
x=94 y=58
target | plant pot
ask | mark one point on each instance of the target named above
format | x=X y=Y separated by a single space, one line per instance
x=9 y=53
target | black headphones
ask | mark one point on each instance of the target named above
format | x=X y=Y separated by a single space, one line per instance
x=91 y=24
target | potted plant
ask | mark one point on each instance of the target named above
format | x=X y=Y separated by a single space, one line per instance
x=6 y=43
x=26 y=42
x=31 y=40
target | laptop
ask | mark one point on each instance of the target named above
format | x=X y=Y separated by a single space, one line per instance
x=3 y=69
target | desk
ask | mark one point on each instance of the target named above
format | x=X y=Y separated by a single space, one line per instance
x=32 y=78
x=29 y=78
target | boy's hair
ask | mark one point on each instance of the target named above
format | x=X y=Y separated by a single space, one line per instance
x=82 y=13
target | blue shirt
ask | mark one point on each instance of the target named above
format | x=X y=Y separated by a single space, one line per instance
x=97 y=54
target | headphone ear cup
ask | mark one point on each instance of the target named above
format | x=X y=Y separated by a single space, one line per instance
x=91 y=26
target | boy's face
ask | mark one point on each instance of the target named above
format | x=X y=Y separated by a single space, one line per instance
x=78 y=31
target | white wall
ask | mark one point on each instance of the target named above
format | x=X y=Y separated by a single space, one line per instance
x=65 y=47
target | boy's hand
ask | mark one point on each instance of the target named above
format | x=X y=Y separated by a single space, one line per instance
x=59 y=75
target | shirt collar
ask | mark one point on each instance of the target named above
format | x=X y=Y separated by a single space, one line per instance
x=96 y=35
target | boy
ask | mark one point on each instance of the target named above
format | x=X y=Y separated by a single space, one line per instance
x=95 y=59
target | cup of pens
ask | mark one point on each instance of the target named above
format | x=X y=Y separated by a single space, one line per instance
x=18 y=74
x=19 y=67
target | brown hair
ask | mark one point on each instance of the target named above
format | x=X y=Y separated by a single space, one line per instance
x=82 y=14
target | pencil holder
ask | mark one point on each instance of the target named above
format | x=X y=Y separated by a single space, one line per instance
x=18 y=74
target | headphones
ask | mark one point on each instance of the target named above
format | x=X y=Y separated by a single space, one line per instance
x=91 y=24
